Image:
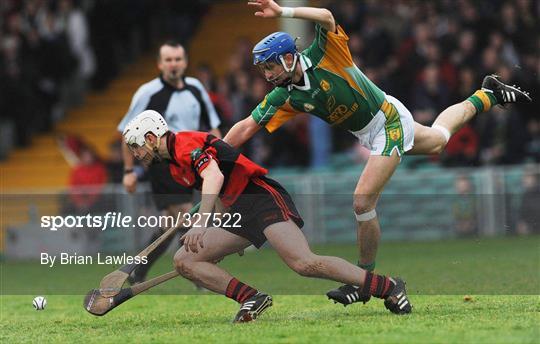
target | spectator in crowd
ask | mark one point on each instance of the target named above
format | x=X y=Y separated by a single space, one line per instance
x=52 y=50
x=431 y=96
x=399 y=51
x=502 y=138
x=87 y=177
x=87 y=180
x=115 y=163
x=73 y=20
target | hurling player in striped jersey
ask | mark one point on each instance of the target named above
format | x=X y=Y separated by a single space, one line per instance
x=263 y=211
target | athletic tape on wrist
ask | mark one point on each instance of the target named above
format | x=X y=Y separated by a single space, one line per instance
x=366 y=216
x=443 y=131
x=287 y=12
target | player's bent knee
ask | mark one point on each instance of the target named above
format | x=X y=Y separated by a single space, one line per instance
x=438 y=148
x=362 y=207
x=364 y=211
x=440 y=135
x=362 y=203
x=183 y=264
x=184 y=267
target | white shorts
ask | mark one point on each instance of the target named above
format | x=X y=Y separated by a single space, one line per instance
x=391 y=129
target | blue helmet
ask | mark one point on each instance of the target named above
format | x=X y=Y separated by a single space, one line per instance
x=270 y=48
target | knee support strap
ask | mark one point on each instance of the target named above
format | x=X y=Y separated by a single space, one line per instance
x=366 y=216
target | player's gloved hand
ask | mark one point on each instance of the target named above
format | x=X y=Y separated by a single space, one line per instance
x=266 y=8
x=130 y=182
x=193 y=239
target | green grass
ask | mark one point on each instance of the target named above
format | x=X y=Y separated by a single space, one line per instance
x=502 y=275
x=167 y=318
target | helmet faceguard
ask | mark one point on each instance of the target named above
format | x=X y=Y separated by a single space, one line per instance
x=273 y=48
x=134 y=134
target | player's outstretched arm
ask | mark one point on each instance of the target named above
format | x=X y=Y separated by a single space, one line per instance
x=270 y=9
x=212 y=182
x=241 y=132
x=211 y=185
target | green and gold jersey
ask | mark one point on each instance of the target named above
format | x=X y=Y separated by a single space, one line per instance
x=334 y=89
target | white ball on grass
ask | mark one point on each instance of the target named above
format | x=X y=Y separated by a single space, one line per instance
x=39 y=303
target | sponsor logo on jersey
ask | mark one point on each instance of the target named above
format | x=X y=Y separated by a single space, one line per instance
x=341 y=113
x=395 y=134
x=308 y=107
x=325 y=85
x=330 y=103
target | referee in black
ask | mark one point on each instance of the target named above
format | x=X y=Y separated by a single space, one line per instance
x=185 y=104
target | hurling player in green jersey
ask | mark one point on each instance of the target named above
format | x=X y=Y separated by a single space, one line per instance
x=324 y=81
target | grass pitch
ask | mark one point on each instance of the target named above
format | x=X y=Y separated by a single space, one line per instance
x=501 y=275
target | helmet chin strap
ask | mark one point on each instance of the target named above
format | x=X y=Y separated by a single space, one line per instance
x=287 y=81
x=155 y=152
x=289 y=70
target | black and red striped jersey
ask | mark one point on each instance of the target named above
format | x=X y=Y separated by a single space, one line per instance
x=191 y=152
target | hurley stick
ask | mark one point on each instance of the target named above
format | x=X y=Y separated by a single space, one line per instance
x=98 y=304
x=112 y=283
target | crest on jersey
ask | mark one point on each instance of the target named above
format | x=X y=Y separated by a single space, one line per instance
x=395 y=134
x=325 y=85
x=263 y=103
x=308 y=107
x=196 y=153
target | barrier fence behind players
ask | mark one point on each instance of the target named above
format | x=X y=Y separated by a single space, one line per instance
x=416 y=205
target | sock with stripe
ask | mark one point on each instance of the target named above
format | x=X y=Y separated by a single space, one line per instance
x=483 y=100
x=368 y=267
x=377 y=285
x=239 y=291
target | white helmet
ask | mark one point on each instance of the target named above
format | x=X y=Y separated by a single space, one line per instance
x=146 y=121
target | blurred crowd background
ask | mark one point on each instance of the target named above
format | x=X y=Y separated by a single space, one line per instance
x=53 y=52
x=429 y=54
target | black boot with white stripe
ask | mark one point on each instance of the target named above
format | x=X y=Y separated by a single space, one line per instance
x=505 y=94
x=253 y=307
x=398 y=302
x=391 y=290
x=347 y=294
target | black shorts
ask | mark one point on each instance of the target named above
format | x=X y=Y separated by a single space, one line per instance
x=165 y=190
x=262 y=203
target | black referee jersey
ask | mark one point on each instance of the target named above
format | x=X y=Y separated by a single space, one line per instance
x=187 y=108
